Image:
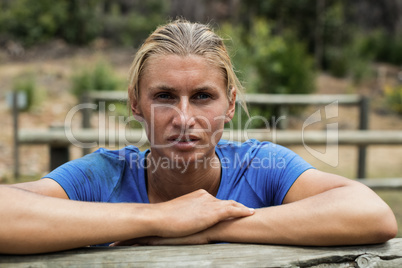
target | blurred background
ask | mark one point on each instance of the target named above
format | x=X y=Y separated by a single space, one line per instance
x=54 y=51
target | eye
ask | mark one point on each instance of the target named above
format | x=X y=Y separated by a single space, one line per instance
x=163 y=96
x=202 y=96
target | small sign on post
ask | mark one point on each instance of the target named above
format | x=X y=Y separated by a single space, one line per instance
x=20 y=97
x=16 y=101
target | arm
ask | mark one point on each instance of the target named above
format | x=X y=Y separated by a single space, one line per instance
x=37 y=217
x=320 y=209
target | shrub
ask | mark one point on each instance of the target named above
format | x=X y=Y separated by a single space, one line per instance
x=36 y=21
x=131 y=29
x=100 y=78
x=393 y=97
x=383 y=47
x=270 y=63
x=351 y=59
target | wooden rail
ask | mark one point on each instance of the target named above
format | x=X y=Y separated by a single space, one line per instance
x=217 y=255
x=383 y=183
x=283 y=137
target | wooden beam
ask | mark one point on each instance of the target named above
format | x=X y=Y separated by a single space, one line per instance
x=344 y=137
x=107 y=95
x=284 y=137
x=383 y=183
x=217 y=255
x=66 y=137
x=301 y=99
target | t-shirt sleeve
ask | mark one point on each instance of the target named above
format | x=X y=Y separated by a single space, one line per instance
x=272 y=171
x=90 y=178
x=288 y=167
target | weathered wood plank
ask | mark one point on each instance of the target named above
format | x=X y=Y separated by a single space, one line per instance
x=272 y=99
x=284 y=137
x=341 y=137
x=108 y=95
x=301 y=99
x=383 y=183
x=218 y=255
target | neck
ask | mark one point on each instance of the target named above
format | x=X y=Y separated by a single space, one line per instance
x=168 y=181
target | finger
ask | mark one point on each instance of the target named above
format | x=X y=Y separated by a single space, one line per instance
x=234 y=209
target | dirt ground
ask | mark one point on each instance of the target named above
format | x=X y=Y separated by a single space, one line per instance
x=54 y=63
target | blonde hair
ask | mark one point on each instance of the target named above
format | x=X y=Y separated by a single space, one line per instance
x=184 y=38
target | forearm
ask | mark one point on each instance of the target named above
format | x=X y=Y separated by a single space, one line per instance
x=357 y=217
x=35 y=223
x=32 y=223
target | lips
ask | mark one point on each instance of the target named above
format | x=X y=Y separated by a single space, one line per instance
x=183 y=138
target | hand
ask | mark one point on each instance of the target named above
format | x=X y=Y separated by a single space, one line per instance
x=193 y=213
x=189 y=214
x=204 y=237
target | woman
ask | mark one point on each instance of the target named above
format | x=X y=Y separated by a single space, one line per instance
x=181 y=191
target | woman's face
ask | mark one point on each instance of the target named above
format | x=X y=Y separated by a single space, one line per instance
x=184 y=105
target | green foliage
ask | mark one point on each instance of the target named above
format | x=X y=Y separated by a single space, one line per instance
x=393 y=96
x=82 y=24
x=297 y=15
x=383 y=47
x=132 y=29
x=350 y=59
x=79 y=22
x=99 y=78
x=270 y=63
x=344 y=45
x=37 y=21
x=346 y=38
x=30 y=21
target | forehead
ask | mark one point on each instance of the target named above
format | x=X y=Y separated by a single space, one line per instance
x=183 y=70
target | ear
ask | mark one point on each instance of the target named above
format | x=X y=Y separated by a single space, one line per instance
x=232 y=105
x=136 y=109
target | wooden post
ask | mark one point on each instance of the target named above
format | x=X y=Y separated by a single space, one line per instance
x=364 y=124
x=59 y=154
x=283 y=111
x=15 y=130
x=86 y=118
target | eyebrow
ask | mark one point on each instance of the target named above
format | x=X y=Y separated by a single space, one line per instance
x=174 y=90
x=163 y=88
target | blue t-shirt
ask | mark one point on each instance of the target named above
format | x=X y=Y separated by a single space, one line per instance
x=256 y=174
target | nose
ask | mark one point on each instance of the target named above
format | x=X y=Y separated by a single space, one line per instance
x=184 y=116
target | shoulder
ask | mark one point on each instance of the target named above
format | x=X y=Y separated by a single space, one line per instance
x=252 y=147
x=261 y=169
x=99 y=160
x=94 y=176
x=266 y=158
x=121 y=154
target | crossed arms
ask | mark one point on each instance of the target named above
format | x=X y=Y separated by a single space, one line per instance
x=319 y=209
